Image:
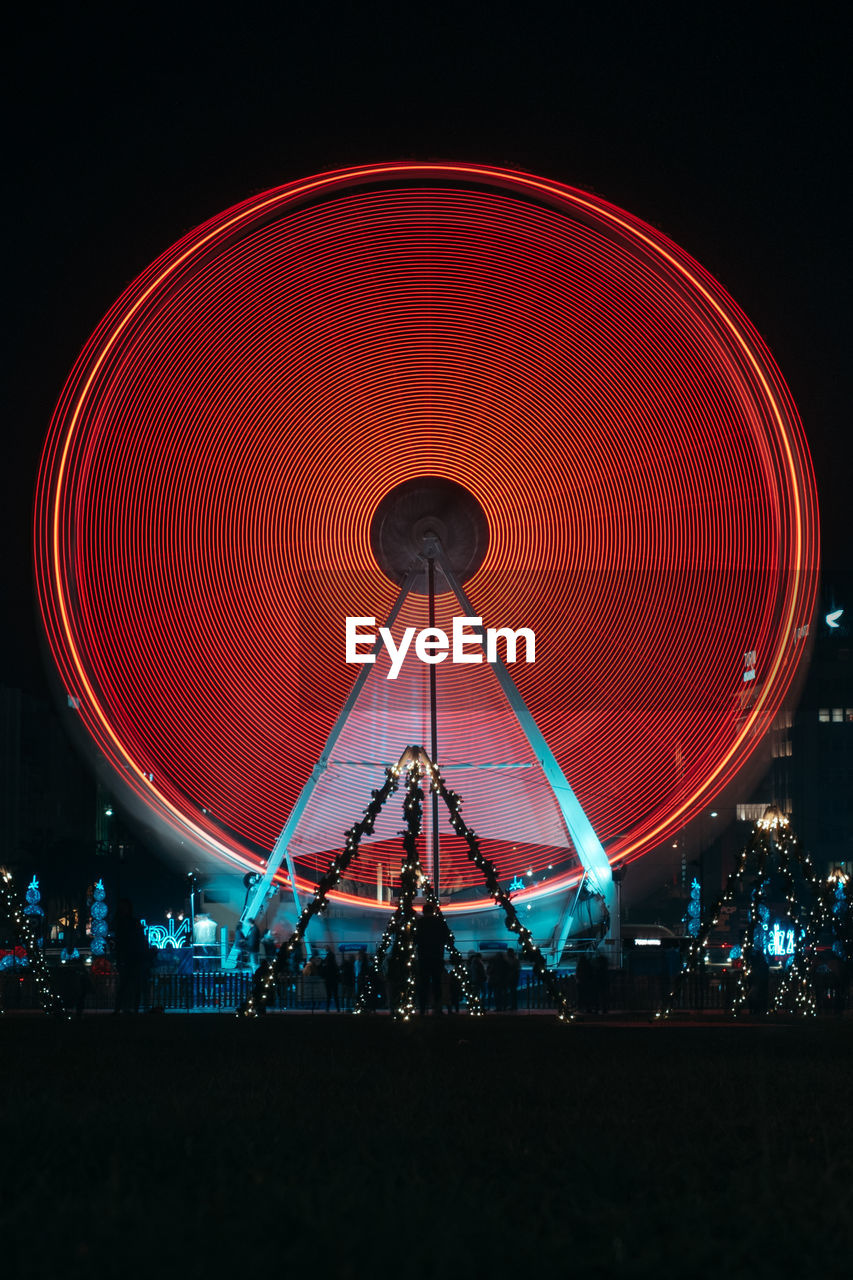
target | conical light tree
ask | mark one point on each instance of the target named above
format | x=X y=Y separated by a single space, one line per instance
x=19 y=921
x=773 y=853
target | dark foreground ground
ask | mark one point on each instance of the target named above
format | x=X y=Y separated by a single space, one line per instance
x=208 y=1146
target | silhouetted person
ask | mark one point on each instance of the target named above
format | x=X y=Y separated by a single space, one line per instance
x=329 y=973
x=76 y=983
x=240 y=944
x=429 y=944
x=602 y=983
x=451 y=990
x=360 y=968
x=498 y=975
x=348 y=981
x=758 y=996
x=513 y=972
x=131 y=948
x=253 y=945
x=583 y=980
x=396 y=974
x=477 y=974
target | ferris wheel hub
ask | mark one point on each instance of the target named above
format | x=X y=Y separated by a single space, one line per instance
x=429 y=507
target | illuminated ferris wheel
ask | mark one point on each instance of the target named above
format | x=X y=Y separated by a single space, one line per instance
x=262 y=431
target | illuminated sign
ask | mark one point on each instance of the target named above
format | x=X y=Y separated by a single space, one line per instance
x=779 y=940
x=782 y=941
x=169 y=935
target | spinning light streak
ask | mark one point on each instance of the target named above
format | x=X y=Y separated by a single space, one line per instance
x=212 y=467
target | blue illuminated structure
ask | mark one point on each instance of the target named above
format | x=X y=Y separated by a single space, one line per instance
x=694 y=910
x=34 y=907
x=840 y=918
x=169 y=935
x=782 y=940
x=99 y=921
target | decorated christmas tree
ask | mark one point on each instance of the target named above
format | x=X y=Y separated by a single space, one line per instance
x=771 y=870
x=415 y=771
x=18 y=921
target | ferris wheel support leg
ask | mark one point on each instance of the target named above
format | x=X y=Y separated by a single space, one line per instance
x=564 y=924
x=257 y=895
x=578 y=825
x=613 y=938
x=281 y=849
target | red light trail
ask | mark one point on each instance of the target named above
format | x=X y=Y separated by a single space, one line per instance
x=207 y=487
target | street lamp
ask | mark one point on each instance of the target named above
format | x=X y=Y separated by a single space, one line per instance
x=704 y=841
x=192 y=881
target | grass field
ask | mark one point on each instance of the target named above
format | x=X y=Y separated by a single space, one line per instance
x=208 y=1146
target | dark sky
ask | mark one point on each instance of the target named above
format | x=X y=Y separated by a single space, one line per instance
x=130 y=124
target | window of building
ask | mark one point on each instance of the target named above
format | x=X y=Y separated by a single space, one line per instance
x=823 y=715
x=751 y=812
x=848 y=715
x=837 y=715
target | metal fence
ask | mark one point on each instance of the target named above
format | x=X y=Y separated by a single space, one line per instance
x=225 y=991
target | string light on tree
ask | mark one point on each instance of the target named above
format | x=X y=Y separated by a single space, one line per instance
x=20 y=924
x=415 y=764
x=772 y=849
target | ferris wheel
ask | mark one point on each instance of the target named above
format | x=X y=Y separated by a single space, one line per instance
x=272 y=422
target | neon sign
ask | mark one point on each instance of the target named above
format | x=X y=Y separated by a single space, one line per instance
x=782 y=941
x=163 y=936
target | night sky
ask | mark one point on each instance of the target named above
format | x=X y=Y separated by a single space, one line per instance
x=128 y=126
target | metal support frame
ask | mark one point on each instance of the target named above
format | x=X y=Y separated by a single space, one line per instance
x=589 y=849
x=564 y=924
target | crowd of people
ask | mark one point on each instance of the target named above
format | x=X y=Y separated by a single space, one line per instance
x=492 y=977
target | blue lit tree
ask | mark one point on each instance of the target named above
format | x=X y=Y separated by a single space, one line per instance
x=694 y=910
x=842 y=920
x=99 y=921
x=34 y=910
